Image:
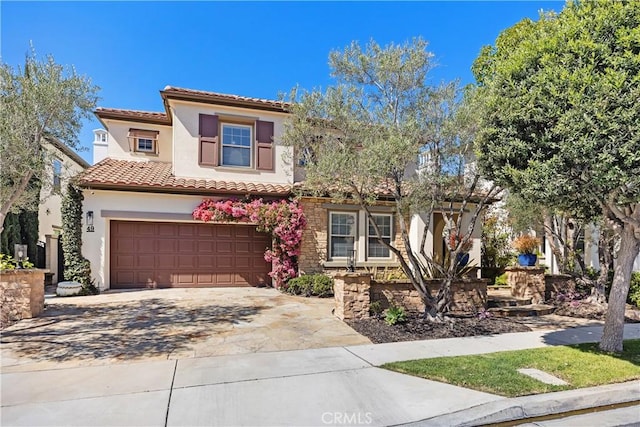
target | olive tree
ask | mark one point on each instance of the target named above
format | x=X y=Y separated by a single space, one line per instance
x=560 y=122
x=361 y=139
x=38 y=101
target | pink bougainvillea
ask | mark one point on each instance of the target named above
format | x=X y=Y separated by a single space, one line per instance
x=283 y=219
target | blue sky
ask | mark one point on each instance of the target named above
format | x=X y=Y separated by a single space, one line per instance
x=131 y=50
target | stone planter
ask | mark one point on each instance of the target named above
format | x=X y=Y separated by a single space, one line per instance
x=527 y=282
x=21 y=294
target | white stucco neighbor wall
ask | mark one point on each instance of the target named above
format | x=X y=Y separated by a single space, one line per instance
x=139 y=207
x=417 y=226
x=186 y=117
x=49 y=211
x=49 y=214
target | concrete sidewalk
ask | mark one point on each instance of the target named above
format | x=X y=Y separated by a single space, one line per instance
x=329 y=386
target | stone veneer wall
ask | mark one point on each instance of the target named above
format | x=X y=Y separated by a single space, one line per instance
x=558 y=284
x=21 y=295
x=354 y=293
x=352 y=297
x=527 y=282
x=469 y=296
x=314 y=247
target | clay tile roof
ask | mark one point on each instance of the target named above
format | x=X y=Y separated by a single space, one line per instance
x=222 y=98
x=157 y=176
x=135 y=115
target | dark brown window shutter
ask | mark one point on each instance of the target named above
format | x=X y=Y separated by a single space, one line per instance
x=209 y=146
x=264 y=145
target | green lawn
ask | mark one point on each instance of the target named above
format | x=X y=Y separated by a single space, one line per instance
x=581 y=365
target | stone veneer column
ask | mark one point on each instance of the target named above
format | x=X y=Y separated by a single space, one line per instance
x=21 y=294
x=527 y=282
x=352 y=295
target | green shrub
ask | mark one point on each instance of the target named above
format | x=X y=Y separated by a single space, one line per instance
x=8 y=263
x=634 y=289
x=395 y=315
x=375 y=308
x=501 y=280
x=309 y=285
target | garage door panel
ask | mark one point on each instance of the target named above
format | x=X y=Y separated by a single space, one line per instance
x=186 y=230
x=242 y=232
x=243 y=262
x=145 y=229
x=125 y=245
x=243 y=247
x=224 y=262
x=167 y=246
x=167 y=230
x=224 y=247
x=186 y=262
x=187 y=255
x=126 y=261
x=206 y=246
x=206 y=262
x=145 y=246
x=146 y=261
x=125 y=277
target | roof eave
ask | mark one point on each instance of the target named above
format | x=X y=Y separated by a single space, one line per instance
x=220 y=100
x=174 y=190
x=101 y=115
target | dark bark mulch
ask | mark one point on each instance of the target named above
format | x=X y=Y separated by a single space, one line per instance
x=585 y=310
x=417 y=328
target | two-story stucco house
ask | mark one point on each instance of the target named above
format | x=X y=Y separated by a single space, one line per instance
x=159 y=166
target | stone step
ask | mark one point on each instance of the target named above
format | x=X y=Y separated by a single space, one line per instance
x=506 y=301
x=522 y=310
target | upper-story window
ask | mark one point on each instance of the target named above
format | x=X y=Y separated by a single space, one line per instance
x=236 y=142
x=57 y=175
x=236 y=145
x=144 y=141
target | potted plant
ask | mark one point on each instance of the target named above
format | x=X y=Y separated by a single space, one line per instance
x=526 y=245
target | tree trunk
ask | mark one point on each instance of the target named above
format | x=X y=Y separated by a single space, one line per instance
x=614 y=324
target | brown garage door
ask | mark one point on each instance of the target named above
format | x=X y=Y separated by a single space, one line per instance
x=163 y=254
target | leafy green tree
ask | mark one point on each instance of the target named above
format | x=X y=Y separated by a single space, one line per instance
x=363 y=136
x=40 y=100
x=560 y=122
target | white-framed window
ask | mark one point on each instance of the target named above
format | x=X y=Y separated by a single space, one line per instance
x=145 y=145
x=375 y=249
x=57 y=175
x=342 y=234
x=143 y=141
x=236 y=145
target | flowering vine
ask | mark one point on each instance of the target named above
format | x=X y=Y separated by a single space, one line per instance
x=283 y=219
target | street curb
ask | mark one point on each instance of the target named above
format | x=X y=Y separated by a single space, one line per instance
x=522 y=408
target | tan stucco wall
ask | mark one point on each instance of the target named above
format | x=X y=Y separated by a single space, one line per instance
x=185 y=135
x=119 y=147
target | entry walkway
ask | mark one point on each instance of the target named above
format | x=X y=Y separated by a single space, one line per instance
x=329 y=386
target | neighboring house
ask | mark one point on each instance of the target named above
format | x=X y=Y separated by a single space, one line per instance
x=64 y=164
x=157 y=168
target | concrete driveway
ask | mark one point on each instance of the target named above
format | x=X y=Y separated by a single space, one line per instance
x=127 y=326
